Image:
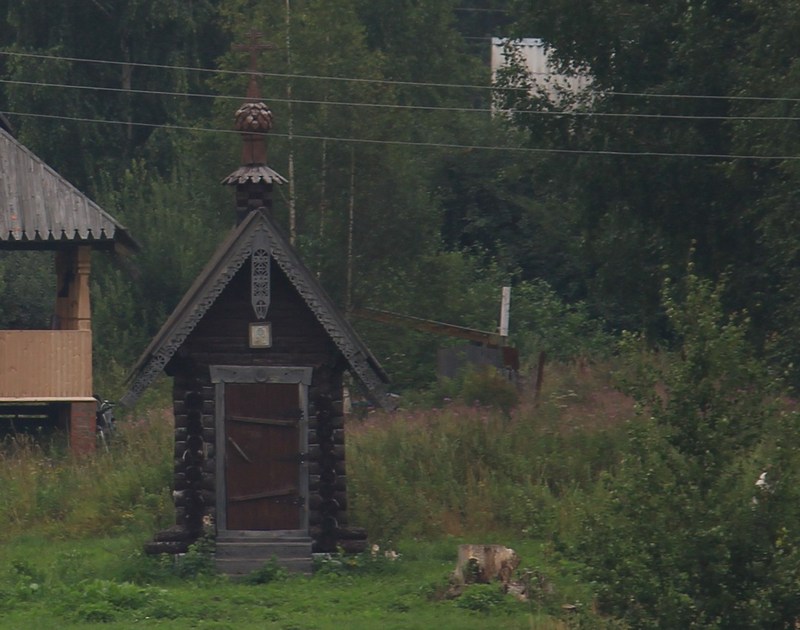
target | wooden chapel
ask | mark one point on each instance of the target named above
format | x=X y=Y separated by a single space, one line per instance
x=257 y=353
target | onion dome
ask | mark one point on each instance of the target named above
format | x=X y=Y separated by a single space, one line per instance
x=253 y=118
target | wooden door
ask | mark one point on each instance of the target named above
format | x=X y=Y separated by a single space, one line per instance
x=262 y=456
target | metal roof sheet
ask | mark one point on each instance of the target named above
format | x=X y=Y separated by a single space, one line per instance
x=39 y=207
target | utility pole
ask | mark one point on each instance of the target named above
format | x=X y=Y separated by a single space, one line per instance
x=350 y=223
x=292 y=206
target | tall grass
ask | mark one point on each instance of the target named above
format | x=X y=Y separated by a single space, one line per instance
x=465 y=470
x=54 y=493
x=418 y=473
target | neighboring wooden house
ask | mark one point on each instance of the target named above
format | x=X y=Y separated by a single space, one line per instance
x=257 y=353
x=47 y=374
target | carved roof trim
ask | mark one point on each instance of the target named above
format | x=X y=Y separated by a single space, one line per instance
x=208 y=286
x=256 y=174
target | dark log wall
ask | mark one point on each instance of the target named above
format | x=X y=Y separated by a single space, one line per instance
x=221 y=338
x=194 y=483
x=328 y=474
x=298 y=339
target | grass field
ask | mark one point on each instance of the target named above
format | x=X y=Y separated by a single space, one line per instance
x=107 y=583
x=422 y=481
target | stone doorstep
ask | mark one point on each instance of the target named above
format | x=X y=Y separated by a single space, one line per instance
x=239 y=555
x=263 y=550
x=237 y=535
x=241 y=567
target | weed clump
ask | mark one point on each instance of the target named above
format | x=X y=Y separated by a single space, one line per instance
x=487 y=387
x=271 y=571
x=103 y=601
x=371 y=562
x=483 y=598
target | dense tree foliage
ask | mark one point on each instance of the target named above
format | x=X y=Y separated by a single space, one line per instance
x=45 y=42
x=592 y=201
x=678 y=150
x=346 y=108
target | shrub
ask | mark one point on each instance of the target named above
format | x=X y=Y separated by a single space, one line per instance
x=683 y=537
x=489 y=388
x=270 y=572
x=542 y=322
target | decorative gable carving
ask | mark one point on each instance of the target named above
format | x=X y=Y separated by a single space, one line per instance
x=259 y=275
x=257 y=234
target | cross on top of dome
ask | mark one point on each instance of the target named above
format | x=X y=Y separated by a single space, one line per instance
x=254 y=46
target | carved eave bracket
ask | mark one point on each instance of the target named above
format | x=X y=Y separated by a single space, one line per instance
x=255 y=174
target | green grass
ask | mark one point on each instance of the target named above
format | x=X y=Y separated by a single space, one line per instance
x=107 y=583
x=421 y=481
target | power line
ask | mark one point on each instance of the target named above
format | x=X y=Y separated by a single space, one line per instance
x=710 y=97
x=480 y=10
x=241 y=98
x=530 y=150
x=482 y=110
x=776 y=99
x=245 y=72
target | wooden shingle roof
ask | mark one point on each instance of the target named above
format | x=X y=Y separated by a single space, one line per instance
x=41 y=209
x=219 y=271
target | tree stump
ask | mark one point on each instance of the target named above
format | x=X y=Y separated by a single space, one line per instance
x=483 y=564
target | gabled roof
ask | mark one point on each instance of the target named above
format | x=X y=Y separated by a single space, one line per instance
x=220 y=270
x=39 y=208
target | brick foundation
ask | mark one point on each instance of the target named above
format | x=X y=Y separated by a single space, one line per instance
x=82 y=428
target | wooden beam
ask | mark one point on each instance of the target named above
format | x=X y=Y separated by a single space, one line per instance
x=431 y=326
x=268 y=421
x=272 y=494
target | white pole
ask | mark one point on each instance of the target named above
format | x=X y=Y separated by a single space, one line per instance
x=505 y=306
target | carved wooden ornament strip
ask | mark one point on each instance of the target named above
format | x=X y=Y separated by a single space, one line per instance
x=259 y=276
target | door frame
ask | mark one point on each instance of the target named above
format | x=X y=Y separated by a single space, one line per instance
x=222 y=374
